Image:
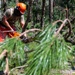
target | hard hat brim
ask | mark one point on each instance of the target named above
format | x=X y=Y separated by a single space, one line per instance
x=21 y=12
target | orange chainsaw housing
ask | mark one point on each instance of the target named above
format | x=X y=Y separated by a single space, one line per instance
x=6 y=33
x=13 y=34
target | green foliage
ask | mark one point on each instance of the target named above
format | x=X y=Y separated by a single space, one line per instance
x=49 y=54
x=11 y=3
x=65 y=3
x=15 y=51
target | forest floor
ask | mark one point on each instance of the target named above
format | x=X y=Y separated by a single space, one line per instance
x=68 y=72
x=63 y=72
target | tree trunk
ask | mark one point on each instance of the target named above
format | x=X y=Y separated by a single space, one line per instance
x=43 y=13
x=67 y=12
x=50 y=10
x=4 y=4
x=17 y=1
x=28 y=16
x=0 y=8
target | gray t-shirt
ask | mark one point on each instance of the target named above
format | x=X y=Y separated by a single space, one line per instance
x=12 y=18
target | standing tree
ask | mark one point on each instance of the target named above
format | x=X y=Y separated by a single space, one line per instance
x=3 y=7
x=4 y=4
x=43 y=12
x=28 y=16
x=50 y=10
x=17 y=1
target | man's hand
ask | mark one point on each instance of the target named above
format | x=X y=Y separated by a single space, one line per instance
x=12 y=30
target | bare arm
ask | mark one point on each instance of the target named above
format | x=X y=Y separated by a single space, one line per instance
x=5 y=22
x=22 y=22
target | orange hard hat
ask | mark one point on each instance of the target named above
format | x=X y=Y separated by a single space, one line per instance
x=21 y=7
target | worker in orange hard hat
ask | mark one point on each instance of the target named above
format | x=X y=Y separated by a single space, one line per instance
x=9 y=18
x=21 y=7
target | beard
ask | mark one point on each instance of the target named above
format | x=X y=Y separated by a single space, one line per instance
x=16 y=12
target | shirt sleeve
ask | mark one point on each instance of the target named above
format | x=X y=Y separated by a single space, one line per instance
x=7 y=13
x=22 y=18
